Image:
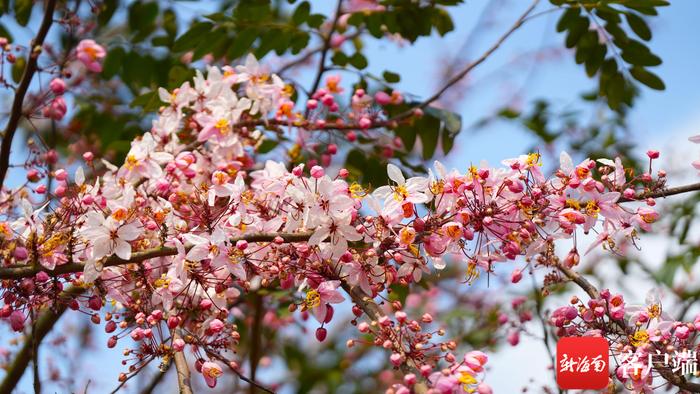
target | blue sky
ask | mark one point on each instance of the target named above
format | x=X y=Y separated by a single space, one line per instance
x=659 y=118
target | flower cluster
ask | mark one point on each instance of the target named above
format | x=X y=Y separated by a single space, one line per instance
x=644 y=340
x=188 y=223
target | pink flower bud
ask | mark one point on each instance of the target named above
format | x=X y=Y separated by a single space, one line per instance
x=60 y=174
x=178 y=345
x=365 y=123
x=20 y=253
x=41 y=277
x=351 y=136
x=400 y=316
x=173 y=322
x=112 y=341
x=395 y=359
x=343 y=173
x=653 y=154
x=60 y=191
x=216 y=326
x=426 y=318
x=382 y=98
x=88 y=156
x=514 y=338
x=56 y=110
x=363 y=327
x=321 y=334
x=33 y=175
x=484 y=388
x=410 y=379
x=57 y=86
x=312 y=104
x=332 y=149
x=17 y=321
x=205 y=304
x=329 y=313
x=516 y=276
x=317 y=171
x=111 y=326
x=95 y=303
x=337 y=40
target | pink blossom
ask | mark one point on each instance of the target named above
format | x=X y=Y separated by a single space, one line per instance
x=211 y=371
x=90 y=54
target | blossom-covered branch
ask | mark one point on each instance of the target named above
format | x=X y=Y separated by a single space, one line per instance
x=189 y=224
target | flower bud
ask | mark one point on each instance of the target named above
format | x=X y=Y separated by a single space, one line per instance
x=321 y=334
x=57 y=86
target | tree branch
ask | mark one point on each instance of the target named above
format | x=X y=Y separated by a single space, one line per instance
x=45 y=322
x=182 y=369
x=155 y=380
x=16 y=112
x=256 y=333
x=23 y=271
x=667 y=192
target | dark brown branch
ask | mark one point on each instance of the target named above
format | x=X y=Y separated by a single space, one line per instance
x=23 y=271
x=17 y=112
x=256 y=334
x=671 y=191
x=44 y=323
x=155 y=380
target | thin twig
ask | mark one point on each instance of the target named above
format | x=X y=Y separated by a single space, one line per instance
x=155 y=380
x=16 y=112
x=458 y=77
x=237 y=372
x=326 y=48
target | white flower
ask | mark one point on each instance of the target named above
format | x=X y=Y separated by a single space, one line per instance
x=414 y=190
x=340 y=232
x=107 y=236
x=143 y=160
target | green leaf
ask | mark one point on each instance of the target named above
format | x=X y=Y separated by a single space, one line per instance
x=359 y=61
x=148 y=101
x=391 y=77
x=267 y=146
x=5 y=33
x=23 y=11
x=142 y=18
x=429 y=134
x=301 y=14
x=18 y=68
x=315 y=21
x=113 y=62
x=242 y=43
x=648 y=78
x=639 y=26
x=192 y=37
x=340 y=59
